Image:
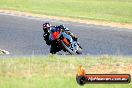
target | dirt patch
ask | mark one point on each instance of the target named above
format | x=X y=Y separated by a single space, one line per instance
x=111 y=69
x=103 y=23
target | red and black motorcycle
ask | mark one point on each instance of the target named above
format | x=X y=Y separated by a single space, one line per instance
x=59 y=42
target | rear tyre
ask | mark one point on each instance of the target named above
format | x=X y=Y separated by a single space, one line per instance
x=52 y=50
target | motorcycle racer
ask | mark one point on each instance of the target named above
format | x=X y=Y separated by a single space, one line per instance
x=48 y=30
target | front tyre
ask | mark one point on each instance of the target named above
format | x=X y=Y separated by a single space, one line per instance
x=79 y=50
x=67 y=48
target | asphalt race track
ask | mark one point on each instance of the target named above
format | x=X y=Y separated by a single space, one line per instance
x=22 y=35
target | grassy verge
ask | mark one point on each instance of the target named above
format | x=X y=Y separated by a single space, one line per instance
x=59 y=71
x=104 y=10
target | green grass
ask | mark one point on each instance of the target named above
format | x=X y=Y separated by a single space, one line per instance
x=57 y=71
x=103 y=10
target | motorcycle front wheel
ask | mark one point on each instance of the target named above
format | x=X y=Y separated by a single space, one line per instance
x=68 y=49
